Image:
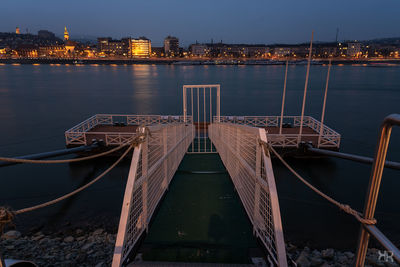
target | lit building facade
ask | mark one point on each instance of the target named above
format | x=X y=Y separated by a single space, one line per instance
x=171 y=46
x=106 y=46
x=140 y=48
x=199 y=50
x=354 y=49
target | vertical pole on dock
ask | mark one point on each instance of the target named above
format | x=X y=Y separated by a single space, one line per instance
x=191 y=93
x=306 y=84
x=210 y=118
x=219 y=103
x=205 y=125
x=283 y=97
x=184 y=104
x=324 y=105
x=198 y=119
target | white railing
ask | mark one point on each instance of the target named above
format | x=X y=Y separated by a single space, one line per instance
x=250 y=168
x=77 y=135
x=327 y=138
x=153 y=165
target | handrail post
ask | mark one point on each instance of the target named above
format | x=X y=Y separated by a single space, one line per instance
x=374 y=184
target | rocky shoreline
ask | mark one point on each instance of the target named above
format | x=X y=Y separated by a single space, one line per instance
x=95 y=248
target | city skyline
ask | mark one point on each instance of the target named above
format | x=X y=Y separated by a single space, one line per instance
x=229 y=21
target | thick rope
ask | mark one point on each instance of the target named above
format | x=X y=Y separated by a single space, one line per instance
x=6 y=218
x=7 y=215
x=54 y=201
x=346 y=208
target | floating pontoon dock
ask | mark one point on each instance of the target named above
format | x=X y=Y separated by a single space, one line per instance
x=202 y=129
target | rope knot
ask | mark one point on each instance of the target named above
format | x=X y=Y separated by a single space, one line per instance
x=6 y=217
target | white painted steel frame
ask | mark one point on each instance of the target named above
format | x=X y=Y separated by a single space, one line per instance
x=198 y=90
x=327 y=138
x=77 y=134
x=153 y=166
x=250 y=168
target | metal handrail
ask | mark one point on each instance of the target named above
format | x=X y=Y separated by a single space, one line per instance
x=373 y=191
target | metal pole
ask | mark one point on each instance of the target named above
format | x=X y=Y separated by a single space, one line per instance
x=305 y=85
x=204 y=115
x=191 y=93
x=198 y=119
x=52 y=154
x=324 y=105
x=218 y=103
x=184 y=104
x=374 y=184
x=283 y=97
x=362 y=159
x=210 y=118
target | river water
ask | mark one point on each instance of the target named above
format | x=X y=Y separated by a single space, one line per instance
x=39 y=102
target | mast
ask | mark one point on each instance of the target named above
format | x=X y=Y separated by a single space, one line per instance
x=305 y=85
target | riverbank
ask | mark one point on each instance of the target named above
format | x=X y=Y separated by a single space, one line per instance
x=88 y=247
x=199 y=61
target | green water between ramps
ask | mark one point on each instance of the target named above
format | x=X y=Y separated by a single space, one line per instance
x=201 y=218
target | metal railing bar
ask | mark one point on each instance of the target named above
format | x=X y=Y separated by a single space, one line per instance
x=362 y=159
x=374 y=184
x=384 y=241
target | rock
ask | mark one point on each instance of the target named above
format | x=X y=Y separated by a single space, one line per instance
x=100 y=264
x=87 y=246
x=44 y=240
x=349 y=254
x=316 y=261
x=69 y=239
x=80 y=238
x=37 y=237
x=98 y=231
x=11 y=247
x=302 y=260
x=374 y=261
x=328 y=253
x=342 y=259
x=110 y=238
x=11 y=235
x=79 y=232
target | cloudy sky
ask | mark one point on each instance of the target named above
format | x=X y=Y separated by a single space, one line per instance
x=232 y=21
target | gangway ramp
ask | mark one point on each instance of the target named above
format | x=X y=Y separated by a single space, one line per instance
x=155 y=162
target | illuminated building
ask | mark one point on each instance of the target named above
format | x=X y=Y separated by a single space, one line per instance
x=66 y=34
x=26 y=51
x=110 y=47
x=56 y=51
x=17 y=31
x=199 y=50
x=171 y=46
x=354 y=49
x=282 y=51
x=140 y=47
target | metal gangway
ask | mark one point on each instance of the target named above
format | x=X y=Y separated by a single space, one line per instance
x=155 y=161
x=245 y=145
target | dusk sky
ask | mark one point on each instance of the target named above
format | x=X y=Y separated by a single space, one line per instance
x=232 y=21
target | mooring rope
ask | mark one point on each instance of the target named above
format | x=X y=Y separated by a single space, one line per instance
x=346 y=208
x=7 y=215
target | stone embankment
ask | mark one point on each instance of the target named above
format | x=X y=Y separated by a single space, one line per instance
x=95 y=248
